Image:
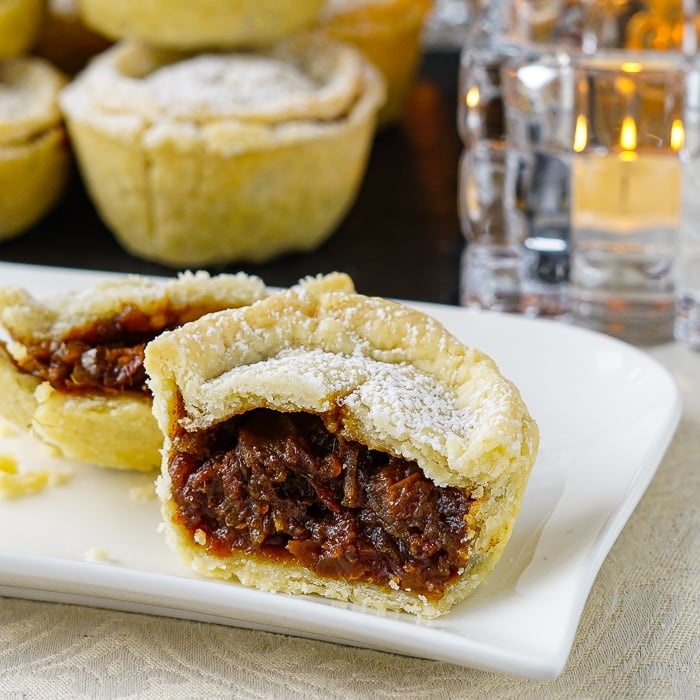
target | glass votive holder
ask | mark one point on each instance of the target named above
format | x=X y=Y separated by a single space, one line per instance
x=448 y=22
x=514 y=215
x=687 y=321
x=585 y=152
x=626 y=186
x=515 y=186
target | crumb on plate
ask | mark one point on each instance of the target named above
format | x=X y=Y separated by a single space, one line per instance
x=142 y=493
x=7 y=429
x=15 y=484
x=97 y=555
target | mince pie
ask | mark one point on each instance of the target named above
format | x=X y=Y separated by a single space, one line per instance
x=34 y=155
x=222 y=157
x=320 y=441
x=184 y=24
x=72 y=369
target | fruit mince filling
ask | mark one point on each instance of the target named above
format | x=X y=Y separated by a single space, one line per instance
x=280 y=486
x=106 y=355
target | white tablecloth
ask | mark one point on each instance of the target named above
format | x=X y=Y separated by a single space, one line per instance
x=639 y=636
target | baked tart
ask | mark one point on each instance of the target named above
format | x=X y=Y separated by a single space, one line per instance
x=34 y=155
x=20 y=22
x=320 y=441
x=184 y=24
x=224 y=157
x=389 y=33
x=72 y=367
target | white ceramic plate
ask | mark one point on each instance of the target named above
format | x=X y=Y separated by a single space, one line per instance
x=606 y=412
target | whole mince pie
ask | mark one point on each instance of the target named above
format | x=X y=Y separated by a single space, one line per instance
x=34 y=154
x=321 y=441
x=72 y=369
x=203 y=24
x=222 y=157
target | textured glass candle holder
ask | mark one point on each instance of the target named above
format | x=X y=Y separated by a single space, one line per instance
x=588 y=112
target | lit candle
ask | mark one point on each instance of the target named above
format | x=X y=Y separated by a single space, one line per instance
x=626 y=198
x=627 y=191
x=628 y=187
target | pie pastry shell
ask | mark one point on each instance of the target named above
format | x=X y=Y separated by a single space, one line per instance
x=183 y=24
x=389 y=33
x=404 y=386
x=20 y=22
x=224 y=157
x=107 y=429
x=34 y=155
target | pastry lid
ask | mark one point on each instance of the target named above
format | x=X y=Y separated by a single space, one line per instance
x=400 y=382
x=29 y=320
x=309 y=77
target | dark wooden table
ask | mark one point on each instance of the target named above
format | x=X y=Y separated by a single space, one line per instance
x=401 y=239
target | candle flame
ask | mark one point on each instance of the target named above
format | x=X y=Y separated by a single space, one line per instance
x=473 y=97
x=580 y=134
x=631 y=67
x=628 y=134
x=677 y=135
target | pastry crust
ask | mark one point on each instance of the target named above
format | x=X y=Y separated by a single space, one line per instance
x=183 y=24
x=20 y=21
x=34 y=157
x=401 y=384
x=107 y=428
x=207 y=159
x=388 y=32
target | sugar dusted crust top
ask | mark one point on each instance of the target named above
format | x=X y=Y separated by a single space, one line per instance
x=29 y=319
x=400 y=382
x=301 y=84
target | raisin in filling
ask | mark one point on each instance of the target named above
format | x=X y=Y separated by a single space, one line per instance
x=106 y=355
x=280 y=486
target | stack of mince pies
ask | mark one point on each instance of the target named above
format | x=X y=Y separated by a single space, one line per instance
x=221 y=132
x=207 y=133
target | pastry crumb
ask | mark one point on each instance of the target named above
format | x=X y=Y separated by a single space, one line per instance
x=143 y=493
x=200 y=537
x=8 y=464
x=15 y=484
x=97 y=555
x=7 y=429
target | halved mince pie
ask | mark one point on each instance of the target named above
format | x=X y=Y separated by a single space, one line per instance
x=72 y=369
x=221 y=157
x=321 y=441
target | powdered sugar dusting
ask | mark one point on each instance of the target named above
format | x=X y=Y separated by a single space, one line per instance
x=28 y=90
x=394 y=399
x=220 y=83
